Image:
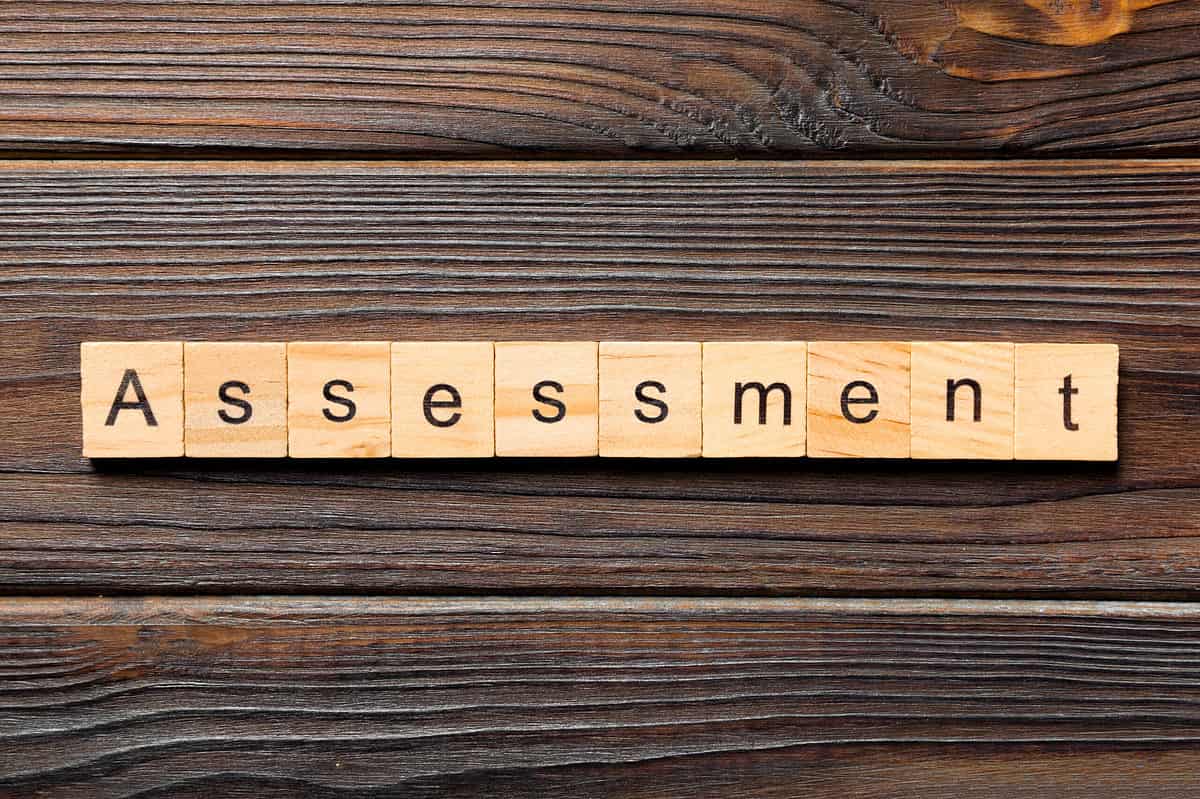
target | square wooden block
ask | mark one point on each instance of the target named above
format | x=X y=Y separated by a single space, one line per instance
x=546 y=399
x=962 y=400
x=650 y=399
x=131 y=395
x=755 y=399
x=1066 y=402
x=339 y=403
x=443 y=399
x=858 y=399
x=235 y=399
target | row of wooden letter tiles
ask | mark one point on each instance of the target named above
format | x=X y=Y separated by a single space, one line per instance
x=826 y=399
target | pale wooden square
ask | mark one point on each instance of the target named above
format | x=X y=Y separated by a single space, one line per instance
x=832 y=366
x=988 y=364
x=1041 y=426
x=157 y=367
x=217 y=428
x=520 y=366
x=463 y=407
x=365 y=365
x=673 y=367
x=763 y=370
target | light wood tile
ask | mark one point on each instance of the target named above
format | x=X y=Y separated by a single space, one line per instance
x=235 y=399
x=443 y=400
x=339 y=399
x=547 y=399
x=131 y=395
x=858 y=399
x=650 y=399
x=962 y=400
x=755 y=399
x=1066 y=402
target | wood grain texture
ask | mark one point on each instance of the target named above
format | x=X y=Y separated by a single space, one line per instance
x=274 y=698
x=609 y=77
x=1072 y=252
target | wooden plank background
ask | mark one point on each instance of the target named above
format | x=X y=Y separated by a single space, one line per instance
x=988 y=251
x=599 y=628
x=614 y=698
x=605 y=78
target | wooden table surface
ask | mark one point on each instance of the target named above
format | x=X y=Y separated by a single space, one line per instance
x=616 y=170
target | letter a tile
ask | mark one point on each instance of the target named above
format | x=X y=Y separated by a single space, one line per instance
x=131 y=395
x=858 y=399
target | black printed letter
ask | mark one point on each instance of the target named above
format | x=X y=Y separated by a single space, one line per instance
x=351 y=408
x=223 y=395
x=640 y=394
x=740 y=389
x=872 y=398
x=560 y=409
x=454 y=402
x=1067 y=392
x=952 y=387
x=119 y=404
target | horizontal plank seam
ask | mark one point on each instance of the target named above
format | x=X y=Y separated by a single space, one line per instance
x=543 y=167
x=64 y=611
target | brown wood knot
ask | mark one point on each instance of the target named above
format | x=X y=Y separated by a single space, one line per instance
x=1068 y=23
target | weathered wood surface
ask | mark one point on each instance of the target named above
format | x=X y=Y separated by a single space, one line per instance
x=1089 y=251
x=609 y=698
x=610 y=77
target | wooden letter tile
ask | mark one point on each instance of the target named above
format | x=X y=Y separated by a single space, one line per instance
x=442 y=399
x=755 y=399
x=131 y=395
x=650 y=399
x=1066 y=402
x=235 y=400
x=339 y=399
x=858 y=399
x=546 y=399
x=962 y=400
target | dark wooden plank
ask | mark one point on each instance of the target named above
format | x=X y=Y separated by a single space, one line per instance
x=1027 y=252
x=618 y=698
x=609 y=77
